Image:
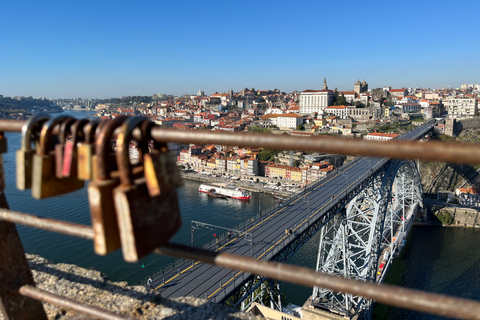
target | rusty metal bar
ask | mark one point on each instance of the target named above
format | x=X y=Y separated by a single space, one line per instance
x=392 y=295
x=396 y=149
x=11 y=125
x=65 y=227
x=88 y=310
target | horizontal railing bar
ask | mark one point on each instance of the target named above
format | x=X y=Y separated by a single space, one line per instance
x=65 y=227
x=437 y=304
x=61 y=301
x=396 y=149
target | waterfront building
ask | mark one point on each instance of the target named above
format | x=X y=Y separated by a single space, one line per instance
x=468 y=197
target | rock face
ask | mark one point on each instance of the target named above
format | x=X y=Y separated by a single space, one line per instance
x=93 y=288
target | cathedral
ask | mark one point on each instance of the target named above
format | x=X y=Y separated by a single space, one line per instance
x=360 y=87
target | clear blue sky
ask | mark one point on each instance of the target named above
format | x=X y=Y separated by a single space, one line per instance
x=101 y=49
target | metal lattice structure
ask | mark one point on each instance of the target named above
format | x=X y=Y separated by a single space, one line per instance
x=376 y=220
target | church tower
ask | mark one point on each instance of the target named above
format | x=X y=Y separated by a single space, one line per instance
x=364 y=86
x=325 y=87
x=357 y=87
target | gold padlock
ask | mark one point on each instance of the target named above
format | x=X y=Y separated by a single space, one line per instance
x=102 y=208
x=85 y=151
x=45 y=184
x=161 y=172
x=24 y=156
x=145 y=222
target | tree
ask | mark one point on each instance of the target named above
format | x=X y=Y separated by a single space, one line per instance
x=341 y=101
x=266 y=155
x=300 y=127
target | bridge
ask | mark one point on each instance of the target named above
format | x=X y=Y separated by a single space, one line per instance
x=363 y=210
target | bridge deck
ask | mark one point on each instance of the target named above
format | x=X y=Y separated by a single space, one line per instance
x=269 y=237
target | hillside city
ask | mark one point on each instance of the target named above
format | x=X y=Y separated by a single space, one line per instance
x=375 y=114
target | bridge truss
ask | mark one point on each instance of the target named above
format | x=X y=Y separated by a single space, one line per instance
x=375 y=220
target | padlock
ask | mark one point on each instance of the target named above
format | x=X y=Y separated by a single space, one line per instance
x=69 y=167
x=60 y=147
x=145 y=222
x=24 y=156
x=45 y=184
x=3 y=143
x=161 y=171
x=111 y=155
x=102 y=208
x=3 y=149
x=85 y=151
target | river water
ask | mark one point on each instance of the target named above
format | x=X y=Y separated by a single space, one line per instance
x=440 y=260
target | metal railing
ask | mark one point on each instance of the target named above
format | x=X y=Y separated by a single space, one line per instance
x=23 y=286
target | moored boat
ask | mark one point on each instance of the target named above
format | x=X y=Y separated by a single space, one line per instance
x=228 y=190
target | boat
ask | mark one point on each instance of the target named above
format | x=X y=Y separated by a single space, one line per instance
x=212 y=193
x=228 y=190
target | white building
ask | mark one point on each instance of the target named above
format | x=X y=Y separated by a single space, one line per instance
x=339 y=111
x=289 y=121
x=378 y=136
x=462 y=107
x=315 y=101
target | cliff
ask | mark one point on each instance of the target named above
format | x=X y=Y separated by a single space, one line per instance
x=93 y=288
x=437 y=176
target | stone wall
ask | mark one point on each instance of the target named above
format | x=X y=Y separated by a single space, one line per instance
x=455 y=126
x=460 y=216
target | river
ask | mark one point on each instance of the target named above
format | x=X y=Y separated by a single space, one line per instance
x=444 y=260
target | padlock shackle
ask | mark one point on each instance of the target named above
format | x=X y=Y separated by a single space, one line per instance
x=122 y=154
x=46 y=133
x=28 y=127
x=77 y=128
x=89 y=131
x=146 y=129
x=65 y=129
x=103 y=146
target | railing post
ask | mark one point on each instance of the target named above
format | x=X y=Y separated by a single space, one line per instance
x=15 y=273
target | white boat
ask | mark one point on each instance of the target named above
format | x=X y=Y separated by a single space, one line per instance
x=228 y=190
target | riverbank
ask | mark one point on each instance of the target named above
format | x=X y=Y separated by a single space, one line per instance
x=247 y=185
x=444 y=214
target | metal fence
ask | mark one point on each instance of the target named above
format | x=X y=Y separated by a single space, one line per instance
x=20 y=297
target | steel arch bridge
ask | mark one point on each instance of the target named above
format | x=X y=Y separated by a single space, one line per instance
x=375 y=221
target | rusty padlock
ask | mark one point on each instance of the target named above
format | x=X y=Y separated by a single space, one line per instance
x=85 y=151
x=161 y=171
x=3 y=149
x=111 y=155
x=45 y=184
x=102 y=208
x=69 y=167
x=145 y=222
x=24 y=156
x=60 y=147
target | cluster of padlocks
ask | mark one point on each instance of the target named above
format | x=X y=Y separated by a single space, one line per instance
x=133 y=206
